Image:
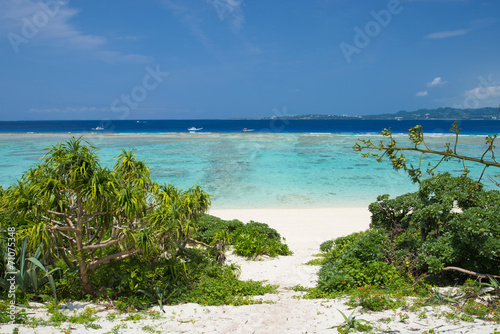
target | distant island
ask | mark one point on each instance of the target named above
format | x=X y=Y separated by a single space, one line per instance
x=489 y=113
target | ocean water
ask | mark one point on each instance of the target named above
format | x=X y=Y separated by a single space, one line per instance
x=259 y=169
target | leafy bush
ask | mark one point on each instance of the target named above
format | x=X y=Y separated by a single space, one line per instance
x=210 y=228
x=358 y=260
x=250 y=240
x=375 y=300
x=255 y=239
x=326 y=246
x=449 y=222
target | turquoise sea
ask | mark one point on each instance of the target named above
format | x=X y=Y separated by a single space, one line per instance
x=249 y=169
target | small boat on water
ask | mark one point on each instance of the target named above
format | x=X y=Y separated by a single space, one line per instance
x=98 y=128
x=248 y=130
x=193 y=129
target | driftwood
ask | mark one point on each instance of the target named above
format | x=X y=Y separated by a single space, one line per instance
x=469 y=272
x=465 y=271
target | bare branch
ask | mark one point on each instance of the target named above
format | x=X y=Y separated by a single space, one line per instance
x=114 y=257
x=469 y=272
x=105 y=244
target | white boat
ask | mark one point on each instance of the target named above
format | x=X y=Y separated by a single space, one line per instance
x=248 y=130
x=193 y=129
x=98 y=128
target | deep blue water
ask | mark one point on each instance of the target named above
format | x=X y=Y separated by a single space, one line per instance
x=273 y=125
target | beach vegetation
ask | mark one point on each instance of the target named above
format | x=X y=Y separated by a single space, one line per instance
x=88 y=215
x=26 y=272
x=251 y=240
x=320 y=259
x=443 y=233
x=112 y=234
x=351 y=324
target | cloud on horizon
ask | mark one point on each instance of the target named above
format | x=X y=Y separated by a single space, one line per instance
x=422 y=93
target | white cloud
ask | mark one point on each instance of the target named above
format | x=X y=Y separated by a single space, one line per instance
x=30 y=20
x=423 y=93
x=231 y=11
x=483 y=93
x=447 y=33
x=438 y=81
x=49 y=22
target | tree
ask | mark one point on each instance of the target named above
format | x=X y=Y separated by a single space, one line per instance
x=450 y=221
x=416 y=134
x=89 y=215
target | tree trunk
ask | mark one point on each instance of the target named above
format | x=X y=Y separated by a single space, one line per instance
x=85 y=277
x=80 y=253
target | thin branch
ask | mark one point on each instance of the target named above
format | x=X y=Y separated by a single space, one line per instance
x=199 y=243
x=60 y=214
x=104 y=244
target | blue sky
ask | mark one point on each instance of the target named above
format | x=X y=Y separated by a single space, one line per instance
x=186 y=59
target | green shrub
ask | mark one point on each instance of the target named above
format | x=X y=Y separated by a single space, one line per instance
x=373 y=299
x=326 y=246
x=211 y=227
x=194 y=276
x=250 y=240
x=450 y=221
x=341 y=244
x=357 y=260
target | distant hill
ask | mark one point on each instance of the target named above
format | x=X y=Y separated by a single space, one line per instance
x=440 y=113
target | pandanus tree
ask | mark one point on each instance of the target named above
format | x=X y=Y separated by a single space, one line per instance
x=88 y=215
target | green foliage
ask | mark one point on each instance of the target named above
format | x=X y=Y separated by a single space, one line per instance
x=318 y=261
x=250 y=240
x=326 y=246
x=353 y=324
x=359 y=261
x=89 y=216
x=375 y=299
x=450 y=221
x=193 y=276
x=29 y=272
x=116 y=229
x=20 y=316
x=255 y=239
x=211 y=228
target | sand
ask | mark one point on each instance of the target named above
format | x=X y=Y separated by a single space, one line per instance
x=285 y=312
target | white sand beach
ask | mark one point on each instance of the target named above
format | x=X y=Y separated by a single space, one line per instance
x=304 y=230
